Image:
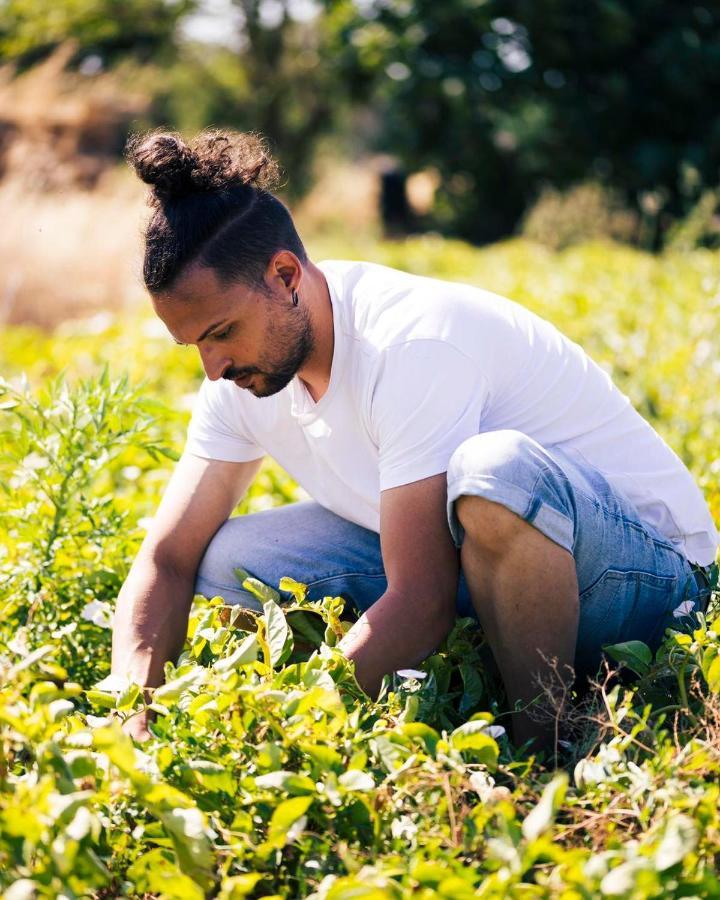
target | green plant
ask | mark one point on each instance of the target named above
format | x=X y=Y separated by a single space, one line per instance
x=270 y=774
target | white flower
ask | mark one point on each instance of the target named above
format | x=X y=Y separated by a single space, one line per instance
x=99 y=612
x=403 y=827
x=411 y=673
x=495 y=731
x=685 y=608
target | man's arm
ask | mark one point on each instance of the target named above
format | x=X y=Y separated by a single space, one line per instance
x=417 y=611
x=152 y=610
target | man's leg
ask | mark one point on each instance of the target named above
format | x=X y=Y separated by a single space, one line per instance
x=304 y=541
x=556 y=561
x=524 y=588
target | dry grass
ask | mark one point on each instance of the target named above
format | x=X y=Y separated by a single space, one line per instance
x=71 y=252
x=73 y=215
x=70 y=240
x=343 y=200
x=61 y=129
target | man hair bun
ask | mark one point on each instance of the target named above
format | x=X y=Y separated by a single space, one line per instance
x=214 y=161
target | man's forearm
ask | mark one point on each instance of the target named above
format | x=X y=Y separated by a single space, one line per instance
x=151 y=620
x=396 y=632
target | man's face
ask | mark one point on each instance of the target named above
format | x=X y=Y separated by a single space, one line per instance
x=253 y=337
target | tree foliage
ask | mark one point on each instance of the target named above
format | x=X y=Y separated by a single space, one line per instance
x=141 y=29
x=501 y=97
x=504 y=95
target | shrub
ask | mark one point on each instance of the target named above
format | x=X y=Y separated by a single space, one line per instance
x=585 y=212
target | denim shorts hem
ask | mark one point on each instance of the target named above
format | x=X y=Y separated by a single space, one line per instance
x=552 y=523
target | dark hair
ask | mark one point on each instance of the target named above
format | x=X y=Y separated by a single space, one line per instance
x=211 y=204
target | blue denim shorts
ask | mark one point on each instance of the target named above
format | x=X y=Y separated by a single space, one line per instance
x=633 y=583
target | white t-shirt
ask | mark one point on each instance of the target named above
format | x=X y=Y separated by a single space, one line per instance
x=419 y=365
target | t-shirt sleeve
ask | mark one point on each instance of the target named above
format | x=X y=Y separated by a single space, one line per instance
x=217 y=429
x=428 y=398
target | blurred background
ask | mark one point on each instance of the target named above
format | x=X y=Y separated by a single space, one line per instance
x=478 y=120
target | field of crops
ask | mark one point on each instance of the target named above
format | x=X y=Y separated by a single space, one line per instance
x=271 y=775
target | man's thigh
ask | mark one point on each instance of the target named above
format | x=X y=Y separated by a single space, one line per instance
x=632 y=583
x=304 y=541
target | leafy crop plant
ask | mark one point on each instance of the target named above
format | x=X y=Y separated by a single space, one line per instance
x=270 y=774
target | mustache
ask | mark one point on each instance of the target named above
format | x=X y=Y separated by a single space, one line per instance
x=232 y=373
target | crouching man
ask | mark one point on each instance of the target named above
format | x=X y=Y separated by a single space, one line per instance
x=463 y=456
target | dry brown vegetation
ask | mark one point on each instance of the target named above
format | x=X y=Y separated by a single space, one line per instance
x=61 y=129
x=70 y=252
x=70 y=238
x=72 y=213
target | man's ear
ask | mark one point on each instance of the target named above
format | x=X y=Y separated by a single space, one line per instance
x=284 y=269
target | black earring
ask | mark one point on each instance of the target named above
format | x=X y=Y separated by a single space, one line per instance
x=295 y=298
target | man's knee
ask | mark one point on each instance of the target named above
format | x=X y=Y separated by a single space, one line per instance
x=506 y=454
x=498 y=482
x=217 y=563
x=232 y=547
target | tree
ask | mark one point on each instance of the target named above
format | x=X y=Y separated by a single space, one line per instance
x=503 y=95
x=108 y=30
x=272 y=76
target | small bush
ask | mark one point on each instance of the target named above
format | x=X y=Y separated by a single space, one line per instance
x=586 y=212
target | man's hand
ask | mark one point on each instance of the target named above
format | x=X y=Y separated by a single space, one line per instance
x=417 y=611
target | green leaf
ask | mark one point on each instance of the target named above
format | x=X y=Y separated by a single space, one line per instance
x=713 y=675
x=423 y=732
x=279 y=635
x=622 y=880
x=325 y=758
x=296 y=588
x=245 y=653
x=262 y=591
x=542 y=816
x=188 y=831
x=238 y=886
x=306 y=624
x=473 y=688
x=473 y=737
x=213 y=776
x=126 y=700
x=118 y=747
x=173 y=689
x=634 y=654
x=290 y=782
x=157 y=873
x=60 y=708
x=285 y=816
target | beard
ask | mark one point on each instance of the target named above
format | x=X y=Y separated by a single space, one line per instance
x=284 y=355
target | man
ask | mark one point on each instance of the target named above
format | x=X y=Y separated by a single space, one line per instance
x=463 y=456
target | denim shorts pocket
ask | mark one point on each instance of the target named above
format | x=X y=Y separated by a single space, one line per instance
x=622 y=605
